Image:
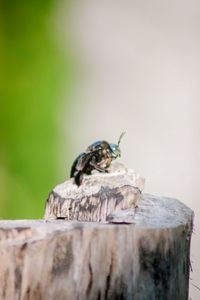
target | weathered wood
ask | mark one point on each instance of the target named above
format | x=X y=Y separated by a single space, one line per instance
x=88 y=260
x=100 y=195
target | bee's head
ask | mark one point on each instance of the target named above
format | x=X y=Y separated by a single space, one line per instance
x=115 y=148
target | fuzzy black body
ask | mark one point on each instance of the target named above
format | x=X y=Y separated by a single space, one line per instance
x=98 y=156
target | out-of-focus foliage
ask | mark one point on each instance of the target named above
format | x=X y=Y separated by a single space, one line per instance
x=32 y=71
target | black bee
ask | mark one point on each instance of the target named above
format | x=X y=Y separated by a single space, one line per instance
x=97 y=156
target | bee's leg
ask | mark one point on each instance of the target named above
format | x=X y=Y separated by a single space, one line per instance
x=78 y=178
x=108 y=162
x=98 y=168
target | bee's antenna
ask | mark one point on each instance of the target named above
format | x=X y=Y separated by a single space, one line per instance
x=121 y=136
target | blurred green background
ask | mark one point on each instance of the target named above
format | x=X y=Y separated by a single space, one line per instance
x=33 y=72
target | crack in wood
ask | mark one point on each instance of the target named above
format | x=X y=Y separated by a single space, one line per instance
x=89 y=287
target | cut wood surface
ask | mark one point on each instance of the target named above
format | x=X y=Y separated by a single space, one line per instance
x=60 y=259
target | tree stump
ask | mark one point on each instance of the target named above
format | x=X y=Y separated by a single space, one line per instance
x=132 y=252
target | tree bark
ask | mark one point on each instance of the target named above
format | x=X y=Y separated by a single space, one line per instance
x=59 y=259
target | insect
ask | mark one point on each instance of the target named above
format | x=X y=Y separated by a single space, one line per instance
x=98 y=156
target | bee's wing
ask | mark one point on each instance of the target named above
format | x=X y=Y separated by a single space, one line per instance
x=76 y=165
x=83 y=160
